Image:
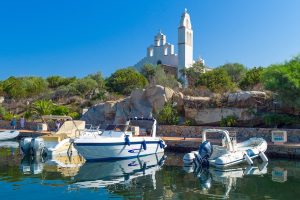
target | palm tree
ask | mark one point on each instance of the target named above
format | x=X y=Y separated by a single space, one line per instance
x=42 y=107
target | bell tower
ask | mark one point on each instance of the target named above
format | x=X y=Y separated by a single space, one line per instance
x=185 y=43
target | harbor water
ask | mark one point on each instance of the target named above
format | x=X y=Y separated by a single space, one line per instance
x=149 y=177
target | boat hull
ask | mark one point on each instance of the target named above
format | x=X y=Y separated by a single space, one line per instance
x=8 y=135
x=117 y=150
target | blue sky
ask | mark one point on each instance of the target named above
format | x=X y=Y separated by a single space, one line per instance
x=76 y=38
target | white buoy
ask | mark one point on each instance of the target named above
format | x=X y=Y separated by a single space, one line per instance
x=188 y=158
x=263 y=156
x=248 y=159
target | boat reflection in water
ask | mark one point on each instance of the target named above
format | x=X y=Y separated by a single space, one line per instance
x=9 y=144
x=102 y=174
x=67 y=166
x=227 y=177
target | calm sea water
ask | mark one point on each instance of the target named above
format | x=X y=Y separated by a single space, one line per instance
x=151 y=177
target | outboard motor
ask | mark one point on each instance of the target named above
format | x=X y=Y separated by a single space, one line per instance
x=37 y=146
x=205 y=151
x=25 y=145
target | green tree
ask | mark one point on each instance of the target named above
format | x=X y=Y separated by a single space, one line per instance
x=24 y=87
x=251 y=78
x=14 y=87
x=284 y=79
x=99 y=79
x=42 y=107
x=168 y=115
x=149 y=71
x=216 y=80
x=57 y=81
x=193 y=73
x=235 y=70
x=123 y=81
x=85 y=86
x=1 y=88
x=161 y=78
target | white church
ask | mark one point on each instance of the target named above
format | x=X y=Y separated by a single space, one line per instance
x=162 y=52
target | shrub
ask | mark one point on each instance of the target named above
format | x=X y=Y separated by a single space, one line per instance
x=275 y=119
x=74 y=115
x=57 y=81
x=85 y=86
x=168 y=115
x=123 y=81
x=229 y=121
x=149 y=71
x=24 y=87
x=8 y=116
x=216 y=80
x=189 y=122
x=60 y=110
x=2 y=112
x=161 y=78
x=235 y=70
x=284 y=79
x=251 y=78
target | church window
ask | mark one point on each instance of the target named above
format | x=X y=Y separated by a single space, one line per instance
x=151 y=52
x=166 y=51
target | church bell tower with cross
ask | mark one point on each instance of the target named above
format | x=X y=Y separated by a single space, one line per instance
x=185 y=44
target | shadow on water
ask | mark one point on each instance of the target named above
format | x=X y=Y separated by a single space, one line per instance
x=150 y=177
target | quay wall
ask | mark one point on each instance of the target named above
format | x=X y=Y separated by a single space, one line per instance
x=242 y=133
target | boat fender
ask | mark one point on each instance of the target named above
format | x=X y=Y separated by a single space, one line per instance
x=161 y=144
x=248 y=159
x=263 y=156
x=144 y=145
x=127 y=141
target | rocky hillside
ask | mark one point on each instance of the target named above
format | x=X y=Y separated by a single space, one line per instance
x=202 y=110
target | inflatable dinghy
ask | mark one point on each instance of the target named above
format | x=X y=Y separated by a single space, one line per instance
x=229 y=154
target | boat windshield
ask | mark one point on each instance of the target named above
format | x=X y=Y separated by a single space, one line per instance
x=117 y=128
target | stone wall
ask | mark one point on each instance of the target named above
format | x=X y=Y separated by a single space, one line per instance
x=241 y=133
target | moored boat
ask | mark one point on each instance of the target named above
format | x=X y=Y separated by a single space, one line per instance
x=230 y=153
x=59 y=142
x=9 y=134
x=120 y=142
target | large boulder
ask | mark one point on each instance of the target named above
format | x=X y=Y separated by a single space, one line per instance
x=245 y=99
x=206 y=116
x=141 y=103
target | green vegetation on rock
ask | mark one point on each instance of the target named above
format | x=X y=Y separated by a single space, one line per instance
x=168 y=115
x=123 y=81
x=216 y=80
x=284 y=80
x=235 y=70
x=251 y=78
x=229 y=121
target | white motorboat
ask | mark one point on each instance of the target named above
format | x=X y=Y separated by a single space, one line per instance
x=120 y=142
x=102 y=174
x=9 y=134
x=59 y=142
x=230 y=153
